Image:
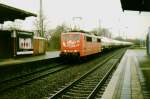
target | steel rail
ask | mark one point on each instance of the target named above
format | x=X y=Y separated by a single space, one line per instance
x=99 y=85
x=30 y=77
x=70 y=85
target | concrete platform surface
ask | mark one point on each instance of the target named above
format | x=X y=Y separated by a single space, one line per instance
x=129 y=81
x=48 y=55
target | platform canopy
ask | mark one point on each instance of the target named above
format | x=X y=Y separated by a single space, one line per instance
x=136 y=5
x=8 y=13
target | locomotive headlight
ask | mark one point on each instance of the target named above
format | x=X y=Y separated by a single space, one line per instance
x=64 y=44
x=75 y=50
x=65 y=51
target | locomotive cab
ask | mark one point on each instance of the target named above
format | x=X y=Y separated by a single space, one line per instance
x=70 y=44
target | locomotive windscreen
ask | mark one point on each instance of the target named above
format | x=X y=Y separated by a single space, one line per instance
x=70 y=40
x=73 y=37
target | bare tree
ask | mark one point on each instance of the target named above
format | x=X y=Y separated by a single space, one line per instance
x=54 y=42
x=38 y=26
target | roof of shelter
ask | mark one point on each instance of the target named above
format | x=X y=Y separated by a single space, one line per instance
x=8 y=13
x=136 y=5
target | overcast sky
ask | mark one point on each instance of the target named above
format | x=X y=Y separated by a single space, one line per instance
x=94 y=13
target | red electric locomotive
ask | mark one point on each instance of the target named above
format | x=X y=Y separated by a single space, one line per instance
x=79 y=44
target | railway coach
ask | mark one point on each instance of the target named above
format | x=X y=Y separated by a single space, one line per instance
x=79 y=44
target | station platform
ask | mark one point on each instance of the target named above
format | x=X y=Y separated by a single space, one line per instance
x=26 y=59
x=131 y=80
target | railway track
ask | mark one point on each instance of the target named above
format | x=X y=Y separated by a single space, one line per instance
x=88 y=85
x=98 y=93
x=22 y=79
x=51 y=83
x=31 y=76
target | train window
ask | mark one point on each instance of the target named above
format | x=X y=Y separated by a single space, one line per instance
x=98 y=40
x=89 y=39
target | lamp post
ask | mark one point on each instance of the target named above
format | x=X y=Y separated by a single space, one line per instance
x=41 y=19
